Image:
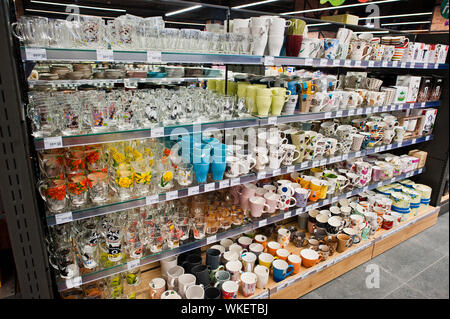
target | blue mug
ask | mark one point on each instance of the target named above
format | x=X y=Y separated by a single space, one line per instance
x=292 y=86
x=217 y=170
x=281 y=270
x=201 y=172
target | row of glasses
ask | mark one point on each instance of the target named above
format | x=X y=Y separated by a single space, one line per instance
x=78 y=112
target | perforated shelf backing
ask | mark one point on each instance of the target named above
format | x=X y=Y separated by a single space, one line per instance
x=16 y=176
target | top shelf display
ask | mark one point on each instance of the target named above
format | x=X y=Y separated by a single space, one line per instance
x=154 y=57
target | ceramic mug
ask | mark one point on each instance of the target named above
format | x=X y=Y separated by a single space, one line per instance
x=262 y=273
x=281 y=270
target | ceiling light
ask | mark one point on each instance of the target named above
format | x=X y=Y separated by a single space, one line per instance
x=253 y=4
x=398 y=16
x=183 y=10
x=340 y=7
x=75 y=5
x=68 y=13
x=401 y=23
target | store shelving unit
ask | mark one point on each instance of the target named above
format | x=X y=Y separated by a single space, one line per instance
x=25 y=211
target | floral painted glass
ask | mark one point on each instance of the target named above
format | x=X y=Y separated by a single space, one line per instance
x=53 y=192
x=124 y=181
x=142 y=175
x=77 y=187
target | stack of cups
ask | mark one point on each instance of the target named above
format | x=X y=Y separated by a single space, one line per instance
x=218 y=164
x=201 y=156
x=263 y=101
x=276 y=34
x=259 y=28
x=279 y=97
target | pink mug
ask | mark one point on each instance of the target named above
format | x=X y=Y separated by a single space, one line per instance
x=273 y=200
x=257 y=205
x=377 y=173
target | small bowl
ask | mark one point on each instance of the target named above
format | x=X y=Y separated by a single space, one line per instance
x=75 y=75
x=48 y=76
x=99 y=75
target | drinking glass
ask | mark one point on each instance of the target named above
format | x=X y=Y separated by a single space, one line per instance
x=133 y=277
x=184 y=226
x=114 y=243
x=77 y=187
x=59 y=33
x=124 y=181
x=53 y=192
x=87 y=243
x=114 y=287
x=92 y=32
x=32 y=31
x=65 y=259
x=185 y=174
x=51 y=162
x=156 y=240
x=199 y=228
x=142 y=175
x=98 y=186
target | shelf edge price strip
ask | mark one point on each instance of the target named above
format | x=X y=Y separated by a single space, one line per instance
x=35 y=54
x=63 y=218
x=53 y=142
x=133 y=264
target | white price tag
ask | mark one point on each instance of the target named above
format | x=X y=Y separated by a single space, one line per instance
x=358 y=154
x=105 y=55
x=309 y=62
x=339 y=114
x=211 y=239
x=384 y=64
x=336 y=62
x=412 y=65
x=290 y=169
x=379 y=184
x=323 y=162
x=53 y=142
x=269 y=60
x=130 y=83
x=348 y=63
x=193 y=190
x=276 y=172
x=359 y=111
x=326 y=202
x=422 y=104
x=272 y=120
x=385 y=108
x=414 y=141
x=436 y=65
x=358 y=63
x=35 y=54
x=316 y=163
x=63 y=218
x=425 y=65
x=365 y=189
x=154 y=57
x=327 y=115
x=395 y=64
x=235 y=181
x=334 y=199
x=427 y=138
x=157 y=132
x=133 y=264
x=224 y=184
x=351 y=112
x=151 y=199
x=389 y=146
x=344 y=157
x=403 y=64
x=287 y=215
x=171 y=195
x=303 y=164
x=313 y=206
x=323 y=62
x=371 y=64
x=262 y=223
x=210 y=187
x=261 y=175
x=74 y=282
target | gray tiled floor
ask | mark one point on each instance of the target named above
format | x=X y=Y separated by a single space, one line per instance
x=416 y=268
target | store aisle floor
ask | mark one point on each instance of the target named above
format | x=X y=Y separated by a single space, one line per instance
x=417 y=268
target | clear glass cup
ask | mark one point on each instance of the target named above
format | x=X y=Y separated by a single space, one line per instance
x=53 y=191
x=142 y=175
x=98 y=186
x=199 y=228
x=77 y=188
x=124 y=181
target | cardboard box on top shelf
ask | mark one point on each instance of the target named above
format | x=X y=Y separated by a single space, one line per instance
x=342 y=18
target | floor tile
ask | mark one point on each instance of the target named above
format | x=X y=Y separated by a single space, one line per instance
x=406 y=292
x=434 y=280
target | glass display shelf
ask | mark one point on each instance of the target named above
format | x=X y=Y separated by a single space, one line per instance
x=114 y=205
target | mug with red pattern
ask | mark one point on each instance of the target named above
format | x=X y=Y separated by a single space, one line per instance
x=230 y=289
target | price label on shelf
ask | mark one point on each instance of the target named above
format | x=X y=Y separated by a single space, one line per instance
x=422 y=104
x=130 y=83
x=412 y=65
x=425 y=65
x=193 y=190
x=427 y=138
x=276 y=172
x=384 y=64
x=327 y=115
x=224 y=183
x=35 y=54
x=151 y=199
x=133 y=264
x=261 y=175
x=235 y=181
x=272 y=120
x=316 y=163
x=334 y=199
x=395 y=64
x=385 y=108
x=309 y=62
x=323 y=162
x=359 y=111
x=154 y=57
x=414 y=141
x=211 y=239
x=358 y=154
x=403 y=64
x=336 y=62
x=344 y=157
x=339 y=114
x=53 y=142
x=436 y=65
x=269 y=61
x=371 y=64
x=315 y=205
x=358 y=63
x=287 y=215
x=348 y=63
x=351 y=112
x=326 y=202
x=171 y=195
x=63 y=218
x=290 y=169
x=262 y=223
x=157 y=132
x=323 y=62
x=365 y=189
x=389 y=146
x=303 y=164
x=282 y=286
x=379 y=184
x=210 y=187
x=105 y=55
